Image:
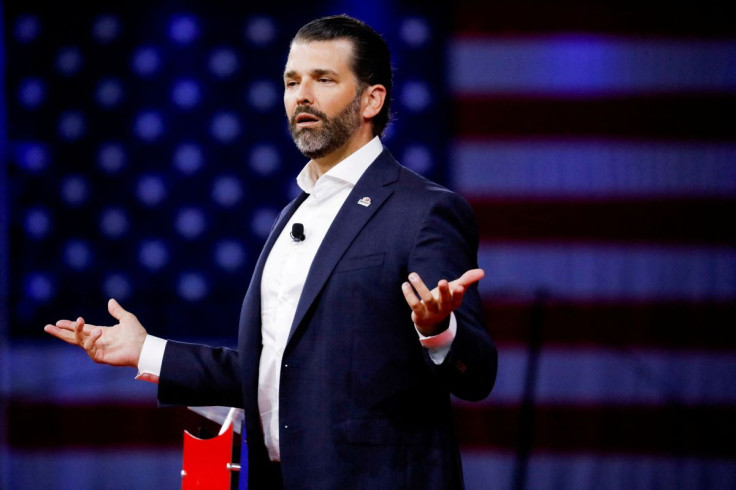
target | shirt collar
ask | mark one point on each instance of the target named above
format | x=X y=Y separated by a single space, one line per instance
x=349 y=170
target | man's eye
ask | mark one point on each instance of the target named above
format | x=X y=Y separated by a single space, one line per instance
x=325 y=80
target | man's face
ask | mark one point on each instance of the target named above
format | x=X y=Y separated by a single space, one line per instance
x=320 y=96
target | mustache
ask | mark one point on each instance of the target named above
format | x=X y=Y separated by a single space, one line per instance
x=304 y=109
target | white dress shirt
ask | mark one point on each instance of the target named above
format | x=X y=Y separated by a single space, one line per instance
x=286 y=271
x=284 y=275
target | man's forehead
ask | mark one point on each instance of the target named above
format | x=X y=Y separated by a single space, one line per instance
x=331 y=54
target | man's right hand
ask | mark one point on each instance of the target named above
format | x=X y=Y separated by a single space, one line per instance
x=117 y=345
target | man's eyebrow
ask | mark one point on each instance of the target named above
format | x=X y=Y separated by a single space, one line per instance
x=323 y=71
x=317 y=72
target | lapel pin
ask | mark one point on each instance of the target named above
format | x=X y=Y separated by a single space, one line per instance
x=366 y=201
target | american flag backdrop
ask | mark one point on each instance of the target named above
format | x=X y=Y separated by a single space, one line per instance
x=596 y=144
x=145 y=155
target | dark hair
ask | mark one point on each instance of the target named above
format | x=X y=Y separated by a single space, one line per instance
x=371 y=57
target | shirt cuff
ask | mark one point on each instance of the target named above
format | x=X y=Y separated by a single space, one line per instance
x=439 y=345
x=152 y=357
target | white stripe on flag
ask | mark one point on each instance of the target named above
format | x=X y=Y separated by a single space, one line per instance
x=589 y=65
x=587 y=272
x=121 y=467
x=596 y=376
x=489 y=469
x=57 y=371
x=593 y=168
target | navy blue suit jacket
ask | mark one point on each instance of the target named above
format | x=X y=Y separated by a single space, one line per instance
x=361 y=403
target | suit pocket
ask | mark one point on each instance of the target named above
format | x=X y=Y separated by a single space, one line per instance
x=357 y=263
x=378 y=431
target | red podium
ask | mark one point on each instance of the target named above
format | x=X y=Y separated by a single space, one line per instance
x=208 y=463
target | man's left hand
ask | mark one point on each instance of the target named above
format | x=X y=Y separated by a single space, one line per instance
x=431 y=309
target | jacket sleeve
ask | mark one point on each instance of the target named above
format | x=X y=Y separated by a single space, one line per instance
x=446 y=246
x=198 y=375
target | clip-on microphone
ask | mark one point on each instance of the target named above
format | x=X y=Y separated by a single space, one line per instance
x=297 y=232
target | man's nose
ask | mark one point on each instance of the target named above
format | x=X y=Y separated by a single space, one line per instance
x=304 y=95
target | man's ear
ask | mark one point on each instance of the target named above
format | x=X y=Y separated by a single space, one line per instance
x=373 y=98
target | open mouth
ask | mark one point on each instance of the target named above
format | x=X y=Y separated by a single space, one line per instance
x=306 y=120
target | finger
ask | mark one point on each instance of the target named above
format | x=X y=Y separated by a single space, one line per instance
x=70 y=325
x=90 y=344
x=410 y=297
x=79 y=331
x=458 y=292
x=60 y=333
x=469 y=277
x=444 y=296
x=422 y=290
x=117 y=311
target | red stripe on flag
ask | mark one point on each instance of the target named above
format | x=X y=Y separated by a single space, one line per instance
x=478 y=17
x=676 y=117
x=34 y=425
x=653 y=220
x=673 y=431
x=648 y=324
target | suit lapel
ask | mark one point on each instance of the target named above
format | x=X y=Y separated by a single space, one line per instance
x=375 y=184
x=278 y=227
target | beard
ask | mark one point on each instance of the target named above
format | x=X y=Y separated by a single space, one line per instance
x=334 y=132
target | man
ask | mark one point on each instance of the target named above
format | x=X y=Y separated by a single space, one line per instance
x=343 y=368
